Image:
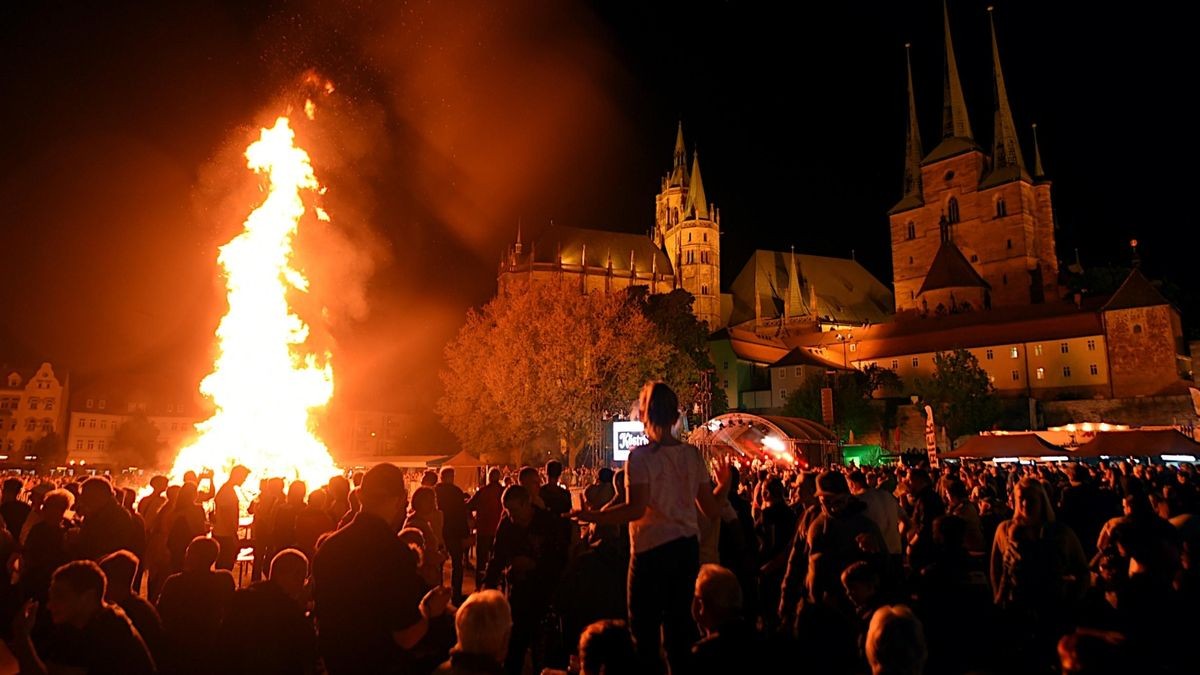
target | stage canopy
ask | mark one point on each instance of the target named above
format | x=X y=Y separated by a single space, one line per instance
x=992 y=446
x=1139 y=443
x=767 y=436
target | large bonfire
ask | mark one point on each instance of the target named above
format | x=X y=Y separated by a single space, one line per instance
x=265 y=383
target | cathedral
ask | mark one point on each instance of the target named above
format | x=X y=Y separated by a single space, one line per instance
x=684 y=250
x=972 y=230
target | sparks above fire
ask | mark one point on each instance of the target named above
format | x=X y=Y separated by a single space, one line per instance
x=265 y=384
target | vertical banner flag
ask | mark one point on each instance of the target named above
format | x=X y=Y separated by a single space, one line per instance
x=931 y=438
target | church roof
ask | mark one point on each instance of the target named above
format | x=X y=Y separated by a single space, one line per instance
x=949 y=147
x=951 y=270
x=1135 y=291
x=843 y=290
x=599 y=245
x=800 y=356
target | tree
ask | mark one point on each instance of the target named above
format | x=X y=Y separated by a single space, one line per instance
x=50 y=450
x=671 y=313
x=960 y=393
x=136 y=443
x=544 y=357
x=852 y=394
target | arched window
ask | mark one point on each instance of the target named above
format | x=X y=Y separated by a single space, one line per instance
x=912 y=230
x=952 y=210
x=1001 y=208
x=47 y=425
x=30 y=424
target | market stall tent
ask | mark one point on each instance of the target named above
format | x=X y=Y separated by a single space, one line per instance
x=993 y=446
x=1140 y=443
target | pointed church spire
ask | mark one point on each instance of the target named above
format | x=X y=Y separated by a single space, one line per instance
x=1006 y=149
x=679 y=169
x=912 y=144
x=680 y=148
x=697 y=205
x=955 y=123
x=1038 y=171
x=518 y=247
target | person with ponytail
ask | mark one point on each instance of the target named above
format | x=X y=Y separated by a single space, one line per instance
x=666 y=480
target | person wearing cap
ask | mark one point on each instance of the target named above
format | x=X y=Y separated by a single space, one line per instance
x=367 y=593
x=840 y=535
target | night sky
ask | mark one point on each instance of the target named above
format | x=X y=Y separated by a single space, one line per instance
x=453 y=120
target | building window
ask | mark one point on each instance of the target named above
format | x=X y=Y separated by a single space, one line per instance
x=91 y=445
x=974 y=258
x=92 y=423
x=853 y=347
x=1016 y=375
x=103 y=424
x=33 y=403
x=952 y=210
x=1037 y=350
x=910 y=260
x=48 y=404
x=916 y=361
x=912 y=230
x=1094 y=369
x=1064 y=347
x=798 y=371
x=30 y=424
x=783 y=394
x=100 y=445
x=705 y=236
x=102 y=404
x=82 y=422
x=895 y=364
x=724 y=365
x=989 y=355
x=1014 y=353
x=1066 y=371
x=90 y=403
x=1041 y=373
x=689 y=237
x=1009 y=244
x=78 y=445
x=1001 y=208
x=1091 y=345
x=1137 y=328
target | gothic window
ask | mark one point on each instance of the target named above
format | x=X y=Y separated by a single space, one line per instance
x=952 y=210
x=1001 y=208
x=912 y=231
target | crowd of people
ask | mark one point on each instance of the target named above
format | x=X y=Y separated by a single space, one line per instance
x=675 y=562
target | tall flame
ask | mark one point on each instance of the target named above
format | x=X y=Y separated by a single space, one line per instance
x=263 y=387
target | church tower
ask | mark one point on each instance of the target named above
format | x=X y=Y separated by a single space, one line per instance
x=687 y=228
x=988 y=207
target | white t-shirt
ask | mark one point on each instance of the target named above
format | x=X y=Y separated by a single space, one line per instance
x=673 y=474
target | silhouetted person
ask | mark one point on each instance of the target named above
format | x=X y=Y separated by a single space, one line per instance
x=728 y=643
x=452 y=502
x=600 y=493
x=192 y=605
x=368 y=602
x=106 y=527
x=338 y=494
x=312 y=522
x=483 y=624
x=556 y=497
x=528 y=556
x=266 y=631
x=896 y=642
x=12 y=509
x=226 y=517
x=486 y=506
x=90 y=636
x=45 y=548
x=120 y=568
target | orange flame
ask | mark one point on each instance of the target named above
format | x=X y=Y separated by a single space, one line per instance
x=264 y=389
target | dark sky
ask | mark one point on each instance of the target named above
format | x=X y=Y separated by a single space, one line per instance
x=452 y=120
